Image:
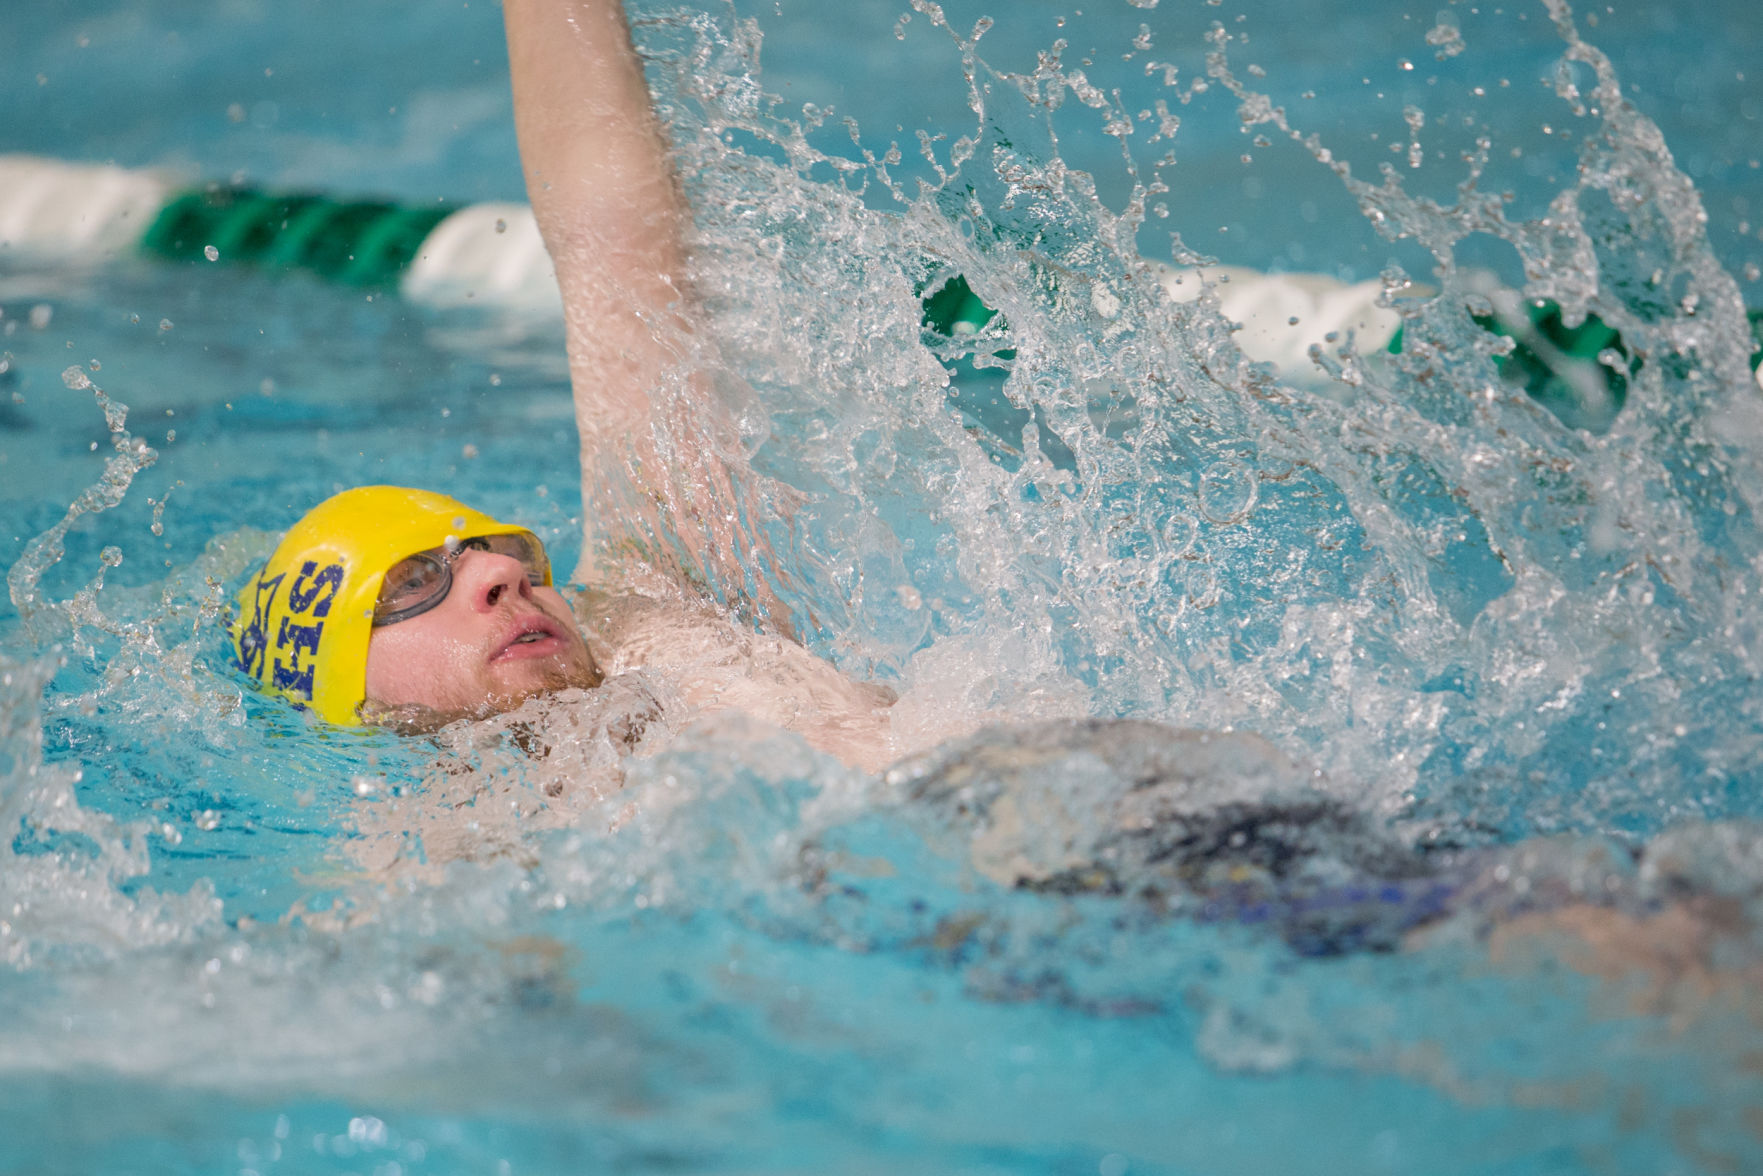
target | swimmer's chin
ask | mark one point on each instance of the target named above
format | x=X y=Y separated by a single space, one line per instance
x=415 y=718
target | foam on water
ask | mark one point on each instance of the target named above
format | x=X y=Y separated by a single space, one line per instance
x=1443 y=664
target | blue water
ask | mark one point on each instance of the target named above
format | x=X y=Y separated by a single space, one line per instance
x=1515 y=661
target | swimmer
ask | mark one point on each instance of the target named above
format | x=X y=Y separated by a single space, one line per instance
x=410 y=609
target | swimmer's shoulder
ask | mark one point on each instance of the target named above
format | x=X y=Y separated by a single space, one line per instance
x=630 y=630
x=713 y=662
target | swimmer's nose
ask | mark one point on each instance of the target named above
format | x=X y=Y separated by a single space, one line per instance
x=488 y=579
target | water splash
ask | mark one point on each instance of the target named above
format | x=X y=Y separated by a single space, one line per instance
x=44 y=620
x=64 y=867
x=1608 y=540
x=1413 y=573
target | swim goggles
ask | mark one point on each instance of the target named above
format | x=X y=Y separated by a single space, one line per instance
x=421 y=581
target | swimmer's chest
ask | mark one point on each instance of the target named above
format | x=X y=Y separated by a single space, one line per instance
x=711 y=664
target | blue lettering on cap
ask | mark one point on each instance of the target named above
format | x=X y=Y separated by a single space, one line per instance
x=296 y=645
x=302 y=598
x=254 y=637
x=294 y=640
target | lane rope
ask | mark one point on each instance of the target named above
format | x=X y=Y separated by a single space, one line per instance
x=491 y=254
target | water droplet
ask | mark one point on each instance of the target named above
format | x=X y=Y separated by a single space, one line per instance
x=211 y=253
x=1127 y=533
x=1227 y=493
x=1446 y=40
x=1202 y=585
x=1179 y=534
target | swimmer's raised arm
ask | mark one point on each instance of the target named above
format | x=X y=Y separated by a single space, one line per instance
x=607 y=201
x=602 y=185
x=595 y=158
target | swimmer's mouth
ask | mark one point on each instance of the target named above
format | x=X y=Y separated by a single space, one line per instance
x=537 y=637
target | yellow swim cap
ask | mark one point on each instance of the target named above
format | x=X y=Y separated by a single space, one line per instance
x=305 y=620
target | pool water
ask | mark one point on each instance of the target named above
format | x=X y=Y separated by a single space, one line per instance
x=1461 y=877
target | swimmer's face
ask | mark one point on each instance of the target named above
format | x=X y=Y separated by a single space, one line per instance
x=493 y=642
